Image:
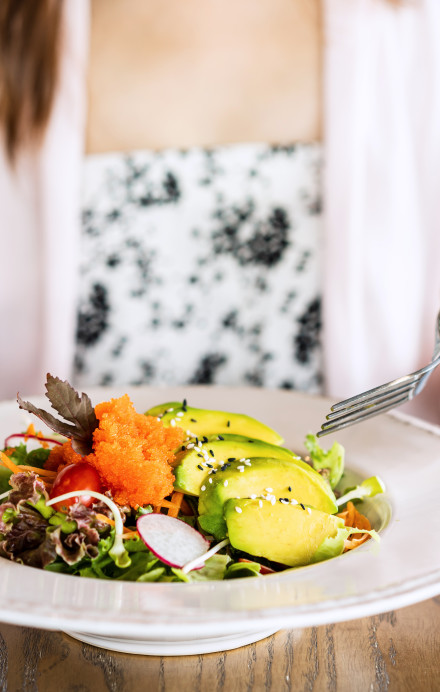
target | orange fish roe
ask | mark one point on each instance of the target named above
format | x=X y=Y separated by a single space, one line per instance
x=133 y=453
x=61 y=456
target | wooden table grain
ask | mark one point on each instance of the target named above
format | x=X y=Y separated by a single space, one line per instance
x=397 y=651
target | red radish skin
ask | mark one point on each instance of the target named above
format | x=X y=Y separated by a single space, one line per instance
x=31 y=437
x=165 y=536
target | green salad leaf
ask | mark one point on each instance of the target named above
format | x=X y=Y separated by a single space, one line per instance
x=368 y=488
x=236 y=570
x=21 y=456
x=214 y=569
x=333 y=459
x=331 y=547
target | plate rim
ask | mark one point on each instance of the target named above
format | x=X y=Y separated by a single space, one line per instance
x=399 y=594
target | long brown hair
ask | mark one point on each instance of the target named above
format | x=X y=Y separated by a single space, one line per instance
x=30 y=35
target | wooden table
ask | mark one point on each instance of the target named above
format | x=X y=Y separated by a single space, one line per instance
x=397 y=651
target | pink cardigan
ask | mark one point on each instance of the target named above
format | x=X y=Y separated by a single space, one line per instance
x=382 y=206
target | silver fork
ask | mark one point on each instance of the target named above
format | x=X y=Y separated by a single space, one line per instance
x=382 y=398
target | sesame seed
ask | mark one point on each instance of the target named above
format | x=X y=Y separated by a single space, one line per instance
x=210 y=466
x=242 y=459
x=240 y=468
x=251 y=441
x=269 y=490
x=204 y=439
x=289 y=489
x=200 y=455
x=284 y=501
x=238 y=509
x=293 y=502
x=182 y=449
x=211 y=452
x=232 y=459
x=189 y=433
x=193 y=420
x=301 y=504
x=184 y=403
x=203 y=487
x=225 y=483
x=210 y=480
x=220 y=437
x=180 y=414
x=273 y=500
x=228 y=424
x=169 y=410
x=221 y=462
x=199 y=466
x=173 y=422
x=260 y=502
x=309 y=510
x=247 y=462
x=158 y=419
x=253 y=497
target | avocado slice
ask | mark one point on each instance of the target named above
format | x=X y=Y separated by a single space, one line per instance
x=275 y=479
x=287 y=534
x=199 y=422
x=214 y=452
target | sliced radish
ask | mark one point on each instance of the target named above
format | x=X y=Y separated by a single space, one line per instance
x=171 y=540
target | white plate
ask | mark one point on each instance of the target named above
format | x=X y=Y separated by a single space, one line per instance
x=176 y=619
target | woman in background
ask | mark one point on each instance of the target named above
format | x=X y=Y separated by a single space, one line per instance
x=201 y=254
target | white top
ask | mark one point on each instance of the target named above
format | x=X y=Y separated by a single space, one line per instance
x=202 y=266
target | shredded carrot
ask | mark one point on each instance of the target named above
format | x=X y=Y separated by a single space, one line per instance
x=39 y=472
x=6 y=461
x=355 y=519
x=43 y=443
x=128 y=533
x=176 y=499
x=30 y=431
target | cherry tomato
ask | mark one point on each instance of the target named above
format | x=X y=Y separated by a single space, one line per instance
x=80 y=476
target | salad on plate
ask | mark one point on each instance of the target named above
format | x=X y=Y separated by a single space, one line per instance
x=176 y=494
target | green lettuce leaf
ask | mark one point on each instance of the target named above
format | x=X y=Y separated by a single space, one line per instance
x=21 y=456
x=331 y=547
x=236 y=570
x=214 y=569
x=333 y=460
x=368 y=488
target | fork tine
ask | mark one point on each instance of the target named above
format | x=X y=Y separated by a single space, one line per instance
x=361 y=414
x=366 y=403
x=393 y=385
x=414 y=377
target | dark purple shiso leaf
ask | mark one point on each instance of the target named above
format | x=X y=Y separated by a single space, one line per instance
x=87 y=521
x=73 y=547
x=26 y=487
x=31 y=540
x=75 y=409
x=26 y=540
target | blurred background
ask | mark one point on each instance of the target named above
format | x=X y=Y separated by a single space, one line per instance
x=231 y=193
